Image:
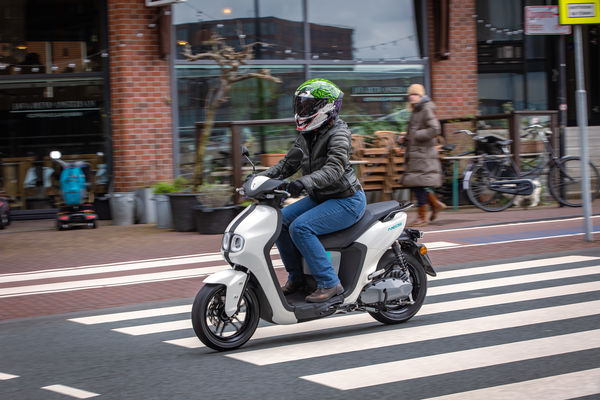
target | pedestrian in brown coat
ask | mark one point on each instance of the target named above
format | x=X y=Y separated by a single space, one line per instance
x=423 y=170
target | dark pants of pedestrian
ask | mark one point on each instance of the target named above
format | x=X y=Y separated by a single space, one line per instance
x=421 y=194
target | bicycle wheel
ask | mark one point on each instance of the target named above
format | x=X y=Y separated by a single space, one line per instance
x=480 y=194
x=564 y=181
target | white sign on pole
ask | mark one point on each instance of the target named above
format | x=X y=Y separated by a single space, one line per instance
x=543 y=20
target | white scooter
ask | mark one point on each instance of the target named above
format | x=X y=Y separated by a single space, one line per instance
x=379 y=262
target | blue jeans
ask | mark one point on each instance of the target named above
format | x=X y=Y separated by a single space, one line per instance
x=303 y=221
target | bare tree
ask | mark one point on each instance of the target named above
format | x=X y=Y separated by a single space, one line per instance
x=229 y=60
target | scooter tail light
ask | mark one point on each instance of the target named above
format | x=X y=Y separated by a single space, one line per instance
x=63 y=218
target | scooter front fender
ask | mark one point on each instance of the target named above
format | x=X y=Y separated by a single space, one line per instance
x=235 y=281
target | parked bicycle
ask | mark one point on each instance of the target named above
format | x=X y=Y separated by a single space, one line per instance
x=492 y=180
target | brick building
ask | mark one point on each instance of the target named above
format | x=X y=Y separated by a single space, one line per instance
x=115 y=82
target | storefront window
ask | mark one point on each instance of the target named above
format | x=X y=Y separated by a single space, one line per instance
x=52 y=97
x=355 y=29
x=50 y=37
x=276 y=24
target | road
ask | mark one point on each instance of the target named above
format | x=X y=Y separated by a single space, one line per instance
x=514 y=312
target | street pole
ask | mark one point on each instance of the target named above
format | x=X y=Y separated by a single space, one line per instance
x=562 y=104
x=581 y=103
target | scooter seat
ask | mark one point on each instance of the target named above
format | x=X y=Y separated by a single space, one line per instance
x=345 y=237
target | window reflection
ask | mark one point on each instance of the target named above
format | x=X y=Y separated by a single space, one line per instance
x=346 y=30
x=50 y=37
x=276 y=24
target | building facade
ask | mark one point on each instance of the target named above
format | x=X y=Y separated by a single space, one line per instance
x=106 y=80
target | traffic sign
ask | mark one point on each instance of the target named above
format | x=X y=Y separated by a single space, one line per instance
x=576 y=12
x=543 y=20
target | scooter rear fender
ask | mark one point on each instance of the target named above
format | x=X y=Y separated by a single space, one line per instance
x=235 y=281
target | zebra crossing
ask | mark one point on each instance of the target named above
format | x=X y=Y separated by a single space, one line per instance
x=493 y=317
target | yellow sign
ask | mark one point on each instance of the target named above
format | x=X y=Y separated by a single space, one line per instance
x=575 y=12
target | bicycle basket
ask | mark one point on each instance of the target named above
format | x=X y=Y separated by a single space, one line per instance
x=488 y=145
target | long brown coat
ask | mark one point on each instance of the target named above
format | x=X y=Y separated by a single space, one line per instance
x=422 y=163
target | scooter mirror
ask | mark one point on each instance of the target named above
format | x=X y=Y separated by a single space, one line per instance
x=55 y=155
x=245 y=151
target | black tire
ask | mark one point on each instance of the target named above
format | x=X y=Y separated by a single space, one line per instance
x=419 y=281
x=208 y=314
x=482 y=196
x=564 y=181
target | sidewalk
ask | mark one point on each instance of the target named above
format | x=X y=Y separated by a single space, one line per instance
x=34 y=245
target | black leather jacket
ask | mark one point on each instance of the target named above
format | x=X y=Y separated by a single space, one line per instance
x=327 y=173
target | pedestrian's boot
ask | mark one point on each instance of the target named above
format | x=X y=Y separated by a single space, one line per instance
x=421 y=217
x=436 y=205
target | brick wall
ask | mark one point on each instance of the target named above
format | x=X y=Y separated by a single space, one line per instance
x=454 y=81
x=140 y=96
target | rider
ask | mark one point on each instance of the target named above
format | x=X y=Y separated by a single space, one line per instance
x=335 y=198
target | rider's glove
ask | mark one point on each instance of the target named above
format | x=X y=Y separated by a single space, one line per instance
x=294 y=188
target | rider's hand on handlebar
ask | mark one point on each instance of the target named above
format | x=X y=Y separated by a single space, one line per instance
x=295 y=188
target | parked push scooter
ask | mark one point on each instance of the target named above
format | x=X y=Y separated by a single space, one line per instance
x=76 y=208
x=379 y=262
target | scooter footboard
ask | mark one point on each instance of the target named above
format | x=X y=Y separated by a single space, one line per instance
x=235 y=281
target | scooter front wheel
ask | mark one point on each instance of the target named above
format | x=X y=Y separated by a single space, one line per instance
x=214 y=327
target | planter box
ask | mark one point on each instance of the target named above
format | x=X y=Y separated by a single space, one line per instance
x=532 y=146
x=182 y=211
x=270 y=159
x=214 y=221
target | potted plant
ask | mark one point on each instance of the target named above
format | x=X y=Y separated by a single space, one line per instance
x=271 y=158
x=162 y=190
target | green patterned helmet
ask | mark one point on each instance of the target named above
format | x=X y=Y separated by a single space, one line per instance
x=315 y=102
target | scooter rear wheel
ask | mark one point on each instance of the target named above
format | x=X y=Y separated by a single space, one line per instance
x=212 y=325
x=403 y=313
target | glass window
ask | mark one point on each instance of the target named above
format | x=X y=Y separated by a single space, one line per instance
x=500 y=92
x=346 y=30
x=373 y=92
x=252 y=99
x=52 y=37
x=273 y=22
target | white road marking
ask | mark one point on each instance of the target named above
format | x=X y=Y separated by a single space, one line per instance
x=511 y=224
x=558 y=387
x=428 y=309
x=91 y=270
x=5 y=377
x=70 y=391
x=512 y=280
x=397 y=371
x=513 y=266
x=124 y=316
x=440 y=245
x=113 y=281
x=320 y=348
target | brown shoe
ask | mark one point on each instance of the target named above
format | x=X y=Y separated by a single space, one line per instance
x=421 y=218
x=436 y=205
x=291 y=287
x=323 y=294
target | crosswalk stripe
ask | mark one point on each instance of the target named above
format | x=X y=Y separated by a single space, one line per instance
x=112 y=281
x=155 y=328
x=558 y=387
x=5 y=377
x=512 y=280
x=440 y=245
x=397 y=371
x=91 y=270
x=394 y=337
x=71 y=391
x=129 y=315
x=514 y=266
x=428 y=309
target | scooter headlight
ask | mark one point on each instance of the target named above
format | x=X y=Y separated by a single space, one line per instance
x=232 y=242
x=237 y=243
x=225 y=242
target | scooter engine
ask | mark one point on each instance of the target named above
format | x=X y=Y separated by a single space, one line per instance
x=385 y=290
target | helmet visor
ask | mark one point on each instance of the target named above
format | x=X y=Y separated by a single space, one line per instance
x=306 y=106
